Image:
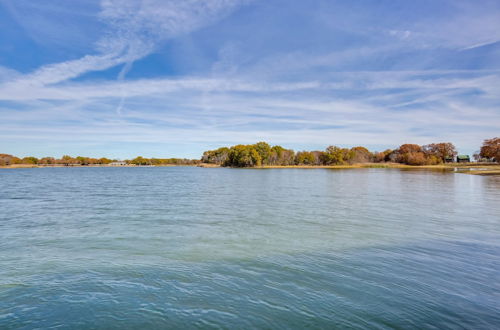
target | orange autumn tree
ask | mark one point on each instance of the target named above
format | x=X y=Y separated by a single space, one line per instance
x=411 y=154
x=441 y=151
x=491 y=149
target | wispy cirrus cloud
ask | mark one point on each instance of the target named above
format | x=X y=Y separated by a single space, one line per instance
x=434 y=81
x=135 y=28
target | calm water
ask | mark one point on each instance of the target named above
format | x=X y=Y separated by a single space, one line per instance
x=239 y=248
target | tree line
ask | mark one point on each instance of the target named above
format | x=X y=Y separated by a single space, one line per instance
x=162 y=161
x=6 y=160
x=262 y=154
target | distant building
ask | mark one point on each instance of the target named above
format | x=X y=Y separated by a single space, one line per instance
x=121 y=163
x=463 y=159
x=449 y=160
x=486 y=160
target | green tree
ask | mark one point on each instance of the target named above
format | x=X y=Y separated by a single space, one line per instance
x=82 y=160
x=29 y=160
x=243 y=156
x=334 y=155
x=140 y=161
x=264 y=151
x=281 y=156
x=305 y=158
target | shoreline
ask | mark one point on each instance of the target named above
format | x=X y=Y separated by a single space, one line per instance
x=467 y=168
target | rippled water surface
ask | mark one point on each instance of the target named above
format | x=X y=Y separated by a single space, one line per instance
x=238 y=248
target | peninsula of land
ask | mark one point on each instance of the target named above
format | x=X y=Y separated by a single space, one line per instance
x=438 y=156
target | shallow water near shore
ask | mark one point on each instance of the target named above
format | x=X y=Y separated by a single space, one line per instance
x=238 y=248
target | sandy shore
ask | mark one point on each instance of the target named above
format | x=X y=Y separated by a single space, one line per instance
x=20 y=166
x=484 y=172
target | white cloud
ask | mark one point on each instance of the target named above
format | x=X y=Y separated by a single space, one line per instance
x=405 y=34
x=161 y=19
x=7 y=74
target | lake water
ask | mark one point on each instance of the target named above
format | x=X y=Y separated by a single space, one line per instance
x=186 y=247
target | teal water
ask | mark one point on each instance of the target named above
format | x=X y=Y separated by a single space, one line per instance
x=137 y=248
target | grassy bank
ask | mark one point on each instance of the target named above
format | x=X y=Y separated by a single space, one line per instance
x=485 y=172
x=466 y=166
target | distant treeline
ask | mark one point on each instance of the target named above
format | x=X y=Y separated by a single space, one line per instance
x=66 y=160
x=162 y=161
x=261 y=154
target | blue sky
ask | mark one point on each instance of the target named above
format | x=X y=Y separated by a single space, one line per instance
x=161 y=78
